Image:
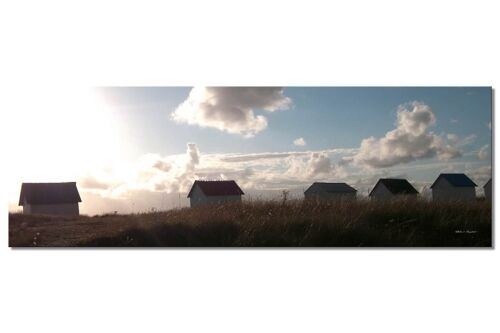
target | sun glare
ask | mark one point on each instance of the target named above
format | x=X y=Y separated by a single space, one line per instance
x=59 y=135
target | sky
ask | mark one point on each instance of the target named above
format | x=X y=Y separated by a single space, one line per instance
x=140 y=148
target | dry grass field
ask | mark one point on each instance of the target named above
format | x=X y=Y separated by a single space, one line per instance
x=269 y=224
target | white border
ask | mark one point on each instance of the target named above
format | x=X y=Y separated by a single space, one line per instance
x=247 y=43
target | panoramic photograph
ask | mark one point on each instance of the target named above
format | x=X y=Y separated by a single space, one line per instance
x=263 y=166
x=253 y=167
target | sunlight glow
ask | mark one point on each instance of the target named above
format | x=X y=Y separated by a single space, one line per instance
x=59 y=135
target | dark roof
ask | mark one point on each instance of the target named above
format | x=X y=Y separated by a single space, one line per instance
x=488 y=182
x=217 y=187
x=330 y=188
x=49 y=193
x=396 y=186
x=456 y=179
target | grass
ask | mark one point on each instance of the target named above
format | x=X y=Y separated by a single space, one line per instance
x=270 y=224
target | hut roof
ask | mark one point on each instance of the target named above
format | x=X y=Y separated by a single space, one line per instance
x=217 y=187
x=49 y=193
x=330 y=188
x=456 y=179
x=396 y=186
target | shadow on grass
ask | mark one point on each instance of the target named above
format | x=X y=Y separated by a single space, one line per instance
x=270 y=224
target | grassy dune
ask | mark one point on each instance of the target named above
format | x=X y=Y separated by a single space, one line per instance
x=270 y=224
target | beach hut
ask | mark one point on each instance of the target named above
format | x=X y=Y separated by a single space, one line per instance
x=330 y=191
x=205 y=192
x=390 y=188
x=453 y=187
x=50 y=198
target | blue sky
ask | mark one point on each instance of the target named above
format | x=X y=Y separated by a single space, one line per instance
x=325 y=117
x=136 y=148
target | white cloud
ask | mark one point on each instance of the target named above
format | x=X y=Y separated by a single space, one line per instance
x=170 y=174
x=231 y=109
x=454 y=121
x=409 y=141
x=237 y=158
x=319 y=164
x=316 y=166
x=453 y=138
x=279 y=155
x=92 y=183
x=457 y=142
x=467 y=140
x=160 y=179
x=193 y=156
x=299 y=142
x=489 y=125
x=483 y=152
x=162 y=165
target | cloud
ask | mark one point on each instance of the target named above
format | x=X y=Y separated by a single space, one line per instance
x=193 y=155
x=244 y=177
x=299 y=142
x=453 y=138
x=162 y=165
x=231 y=109
x=457 y=142
x=280 y=155
x=91 y=183
x=314 y=166
x=489 y=125
x=409 y=141
x=483 y=152
x=259 y=156
x=162 y=178
x=154 y=173
x=454 y=121
x=467 y=140
x=319 y=164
